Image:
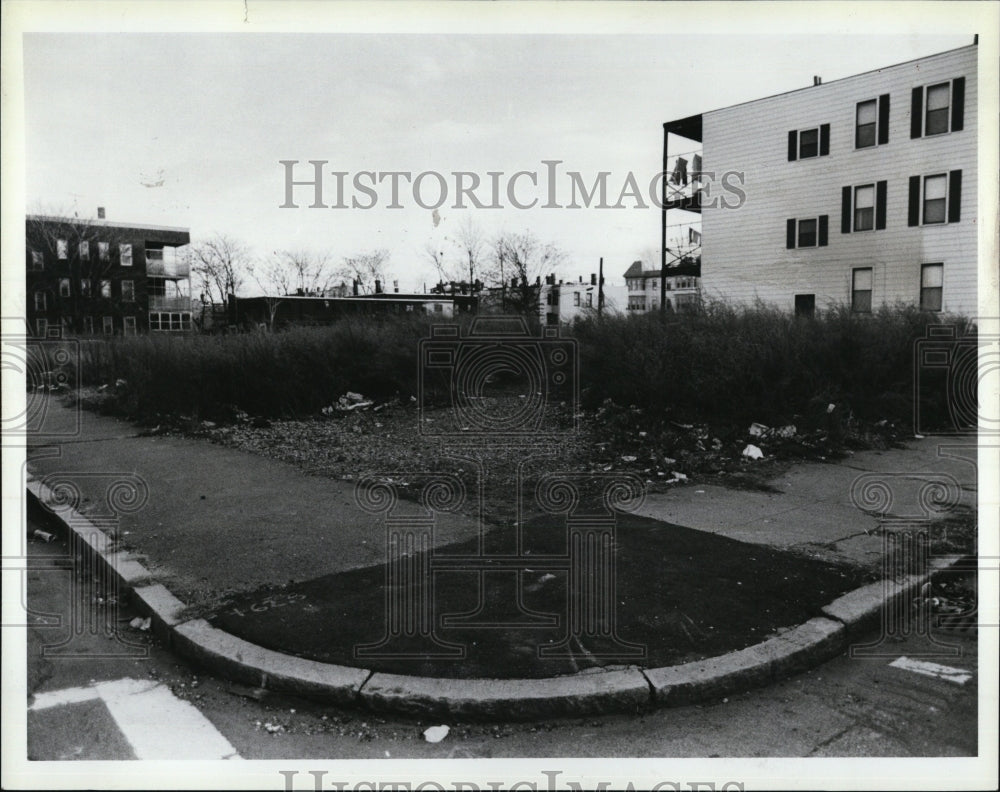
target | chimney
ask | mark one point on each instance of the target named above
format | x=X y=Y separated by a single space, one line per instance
x=378 y=286
x=395 y=286
x=581 y=278
x=593 y=278
x=100 y=212
x=817 y=80
x=356 y=287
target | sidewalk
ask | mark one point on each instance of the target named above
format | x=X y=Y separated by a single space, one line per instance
x=224 y=524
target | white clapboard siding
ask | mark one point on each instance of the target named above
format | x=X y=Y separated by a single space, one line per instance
x=744 y=253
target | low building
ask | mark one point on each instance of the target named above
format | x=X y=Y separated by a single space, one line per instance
x=682 y=290
x=563 y=301
x=96 y=277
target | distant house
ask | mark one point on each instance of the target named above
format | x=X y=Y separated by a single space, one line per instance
x=564 y=301
x=682 y=291
x=96 y=277
x=860 y=191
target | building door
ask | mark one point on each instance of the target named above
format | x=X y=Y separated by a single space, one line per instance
x=805 y=305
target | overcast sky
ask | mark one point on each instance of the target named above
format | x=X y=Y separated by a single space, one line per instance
x=205 y=119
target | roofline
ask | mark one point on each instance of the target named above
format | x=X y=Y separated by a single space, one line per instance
x=359 y=298
x=107 y=223
x=839 y=79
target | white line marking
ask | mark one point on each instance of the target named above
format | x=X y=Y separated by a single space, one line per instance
x=957 y=675
x=156 y=723
x=56 y=698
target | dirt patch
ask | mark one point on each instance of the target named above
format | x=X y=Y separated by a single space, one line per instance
x=680 y=595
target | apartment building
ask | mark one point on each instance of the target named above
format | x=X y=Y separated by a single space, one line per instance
x=860 y=191
x=681 y=291
x=95 y=277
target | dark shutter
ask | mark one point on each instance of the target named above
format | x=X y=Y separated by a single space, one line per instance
x=793 y=145
x=957 y=104
x=917 y=112
x=913 y=217
x=880 y=190
x=845 y=210
x=954 y=196
x=883 y=119
x=824 y=226
x=824 y=140
x=790 y=233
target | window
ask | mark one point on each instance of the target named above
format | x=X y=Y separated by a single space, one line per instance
x=871 y=122
x=438 y=308
x=42 y=327
x=808 y=232
x=808 y=143
x=576 y=298
x=154 y=321
x=938 y=109
x=867 y=121
x=64 y=287
x=37 y=260
x=40 y=301
x=125 y=253
x=935 y=198
x=590 y=299
x=88 y=325
x=129 y=325
x=85 y=250
x=931 y=286
x=805 y=305
x=108 y=325
x=84 y=287
x=106 y=289
x=62 y=249
x=128 y=291
x=103 y=251
x=861 y=290
x=863 y=207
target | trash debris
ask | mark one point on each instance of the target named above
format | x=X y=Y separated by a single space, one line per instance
x=787 y=432
x=43 y=536
x=273 y=728
x=139 y=623
x=435 y=734
x=752 y=452
x=208 y=424
x=758 y=430
x=120 y=383
x=629 y=458
x=678 y=476
x=830 y=408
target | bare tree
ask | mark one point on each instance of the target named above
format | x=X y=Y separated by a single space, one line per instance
x=274 y=278
x=520 y=260
x=366 y=268
x=474 y=247
x=312 y=273
x=221 y=264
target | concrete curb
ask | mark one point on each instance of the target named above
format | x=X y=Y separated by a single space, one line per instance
x=621 y=689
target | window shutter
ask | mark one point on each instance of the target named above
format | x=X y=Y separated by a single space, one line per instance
x=880 y=191
x=793 y=145
x=824 y=140
x=824 y=225
x=790 y=233
x=913 y=217
x=845 y=210
x=883 y=119
x=954 y=196
x=958 y=104
x=917 y=112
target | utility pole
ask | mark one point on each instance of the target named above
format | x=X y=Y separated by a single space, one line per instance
x=600 y=288
x=663 y=230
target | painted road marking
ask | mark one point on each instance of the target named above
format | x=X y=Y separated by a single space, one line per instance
x=156 y=723
x=957 y=675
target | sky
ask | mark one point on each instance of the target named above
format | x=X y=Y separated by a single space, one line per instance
x=189 y=129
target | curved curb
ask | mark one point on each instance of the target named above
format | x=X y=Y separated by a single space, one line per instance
x=595 y=691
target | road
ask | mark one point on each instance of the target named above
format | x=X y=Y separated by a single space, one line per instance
x=126 y=696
